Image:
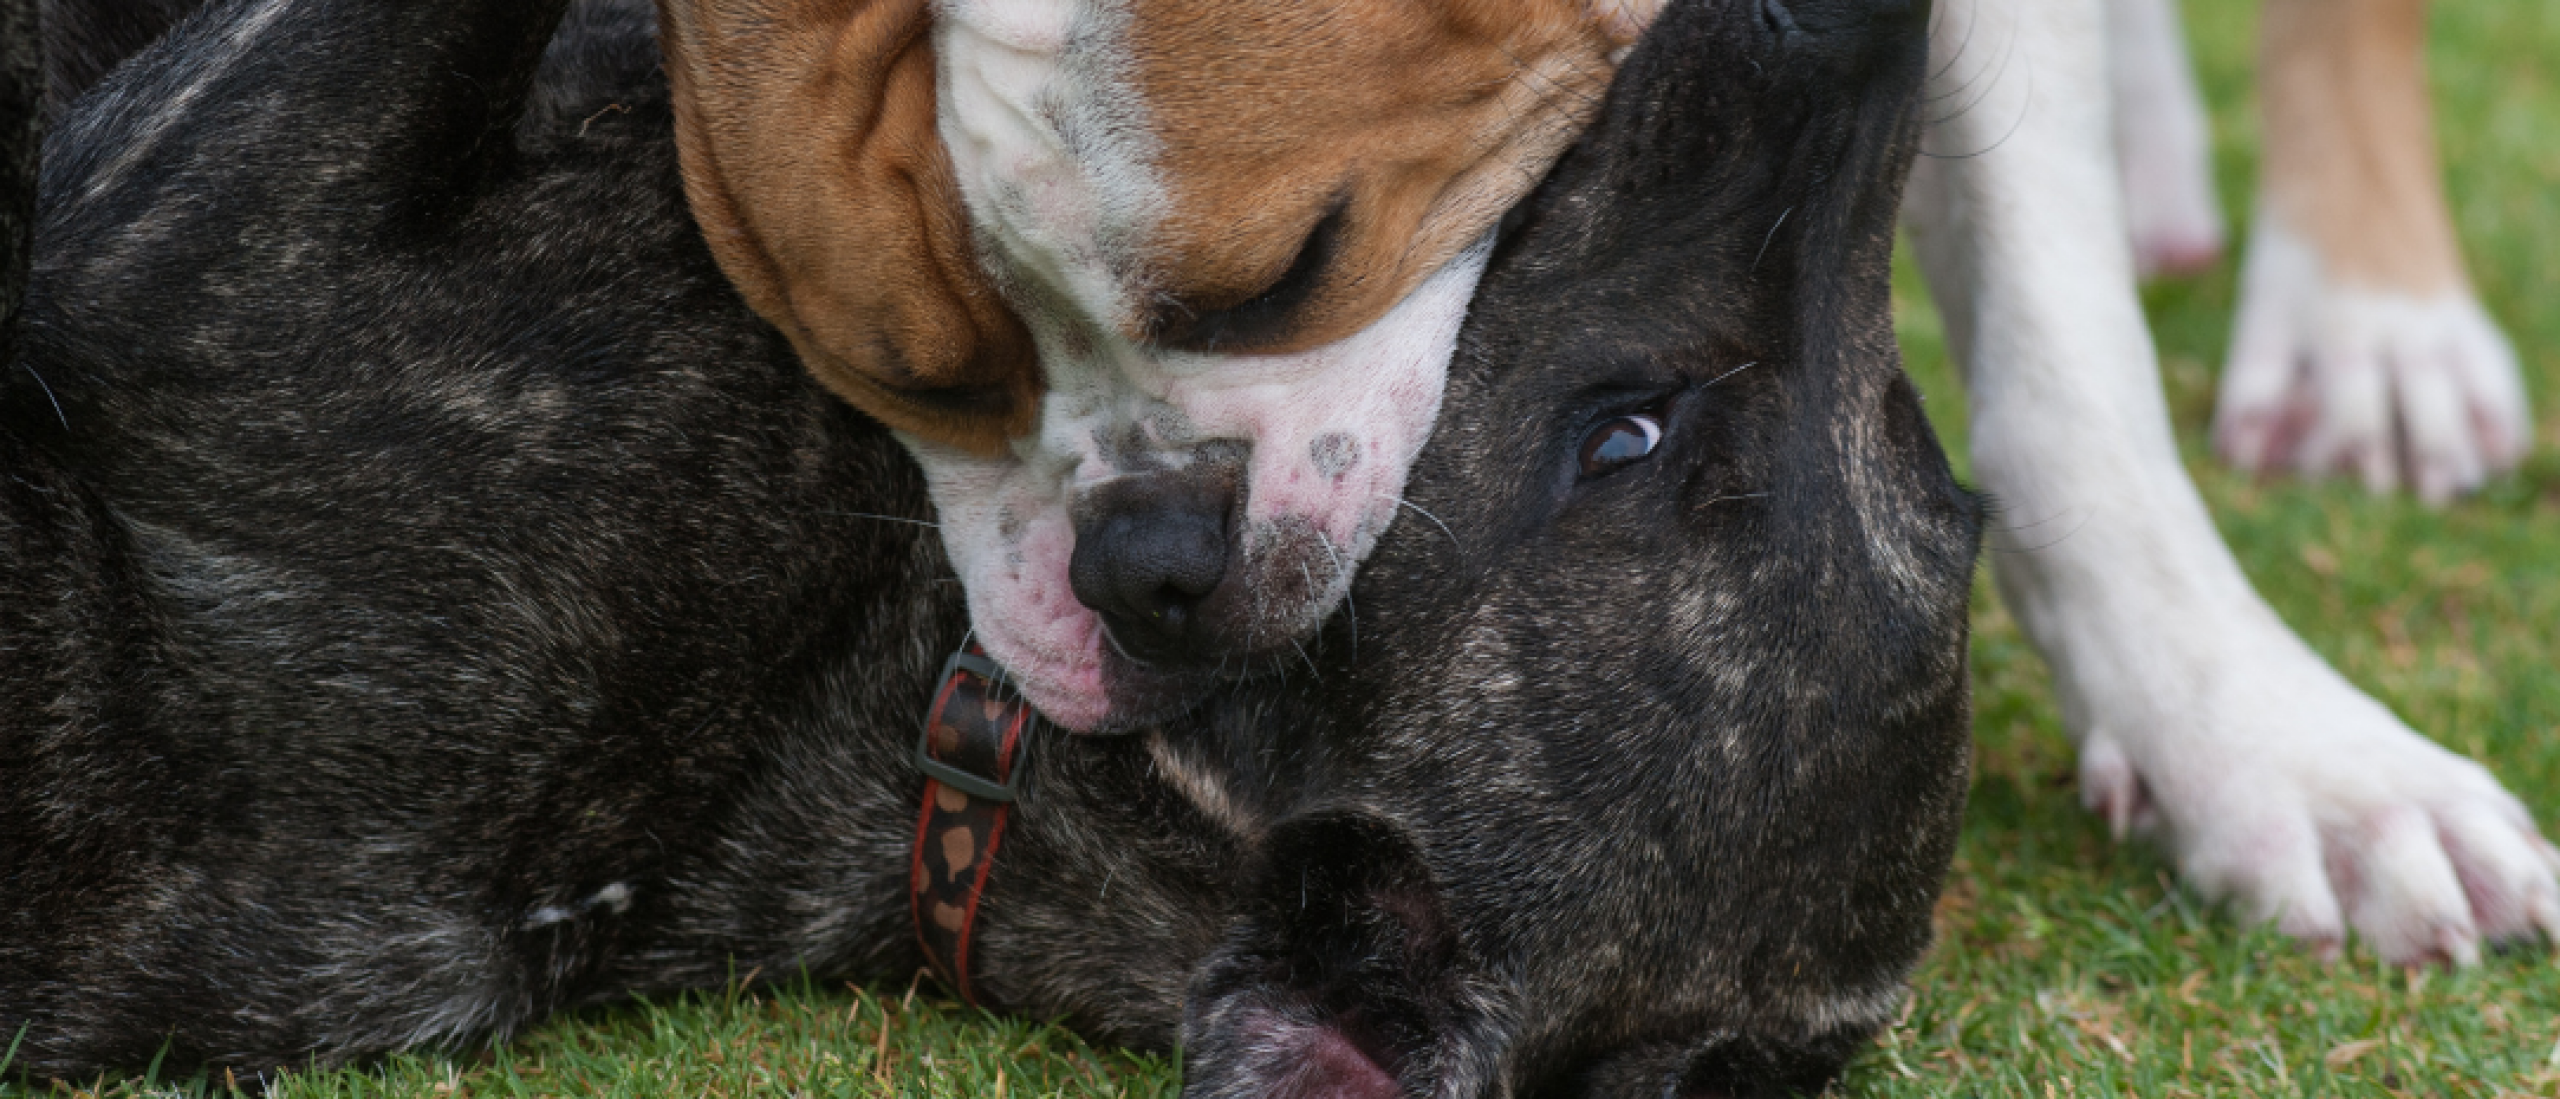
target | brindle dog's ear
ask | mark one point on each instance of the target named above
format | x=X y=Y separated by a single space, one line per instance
x=813 y=164
x=1345 y=977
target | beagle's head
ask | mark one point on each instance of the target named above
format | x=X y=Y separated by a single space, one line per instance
x=1160 y=293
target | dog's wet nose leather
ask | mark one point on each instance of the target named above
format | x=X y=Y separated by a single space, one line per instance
x=1149 y=549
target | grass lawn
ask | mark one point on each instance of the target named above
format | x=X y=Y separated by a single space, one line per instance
x=2066 y=966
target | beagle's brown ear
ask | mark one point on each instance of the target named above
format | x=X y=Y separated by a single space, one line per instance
x=811 y=158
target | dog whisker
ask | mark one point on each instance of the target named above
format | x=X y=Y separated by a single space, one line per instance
x=1353 y=610
x=48 y=395
x=2026 y=105
x=1735 y=370
x=1310 y=576
x=1342 y=572
x=1763 y=253
x=1547 y=83
x=883 y=518
x=1959 y=87
x=2065 y=537
x=1435 y=520
x=2014 y=528
x=1991 y=71
x=1970 y=26
x=1113 y=640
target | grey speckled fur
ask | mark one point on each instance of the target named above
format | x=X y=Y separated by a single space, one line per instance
x=429 y=599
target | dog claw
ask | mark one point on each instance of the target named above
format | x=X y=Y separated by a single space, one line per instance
x=2458 y=946
x=2111 y=788
x=2546 y=918
x=2330 y=817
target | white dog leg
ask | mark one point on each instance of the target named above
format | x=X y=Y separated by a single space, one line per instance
x=2164 y=146
x=2199 y=714
x=2360 y=347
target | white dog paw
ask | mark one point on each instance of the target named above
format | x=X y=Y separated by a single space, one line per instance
x=2174 y=218
x=2396 y=389
x=2330 y=815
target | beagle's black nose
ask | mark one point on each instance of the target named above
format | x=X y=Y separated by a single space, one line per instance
x=1150 y=548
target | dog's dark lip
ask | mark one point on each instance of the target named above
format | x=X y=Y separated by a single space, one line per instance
x=1122 y=660
x=1143 y=694
x=1160 y=664
x=1111 y=637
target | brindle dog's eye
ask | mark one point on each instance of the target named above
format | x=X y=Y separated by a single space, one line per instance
x=1620 y=442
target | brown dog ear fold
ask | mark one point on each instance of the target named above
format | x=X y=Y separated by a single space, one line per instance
x=814 y=167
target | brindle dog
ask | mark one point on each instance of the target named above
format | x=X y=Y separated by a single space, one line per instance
x=429 y=599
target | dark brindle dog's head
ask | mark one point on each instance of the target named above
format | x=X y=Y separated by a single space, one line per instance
x=455 y=605
x=1636 y=762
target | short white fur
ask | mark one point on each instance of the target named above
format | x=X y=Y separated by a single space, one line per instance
x=2198 y=713
x=2164 y=145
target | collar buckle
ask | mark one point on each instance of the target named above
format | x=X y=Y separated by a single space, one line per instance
x=991 y=685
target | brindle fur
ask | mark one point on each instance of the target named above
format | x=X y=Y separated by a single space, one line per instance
x=429 y=599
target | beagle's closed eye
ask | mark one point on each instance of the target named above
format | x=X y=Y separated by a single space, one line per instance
x=1263 y=319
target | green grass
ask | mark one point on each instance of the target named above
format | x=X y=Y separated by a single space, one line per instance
x=798 y=1039
x=2067 y=966
x=2070 y=966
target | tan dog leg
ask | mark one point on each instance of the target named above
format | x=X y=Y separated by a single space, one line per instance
x=2360 y=346
x=2164 y=147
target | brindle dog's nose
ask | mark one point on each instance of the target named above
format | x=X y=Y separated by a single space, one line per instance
x=1149 y=549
